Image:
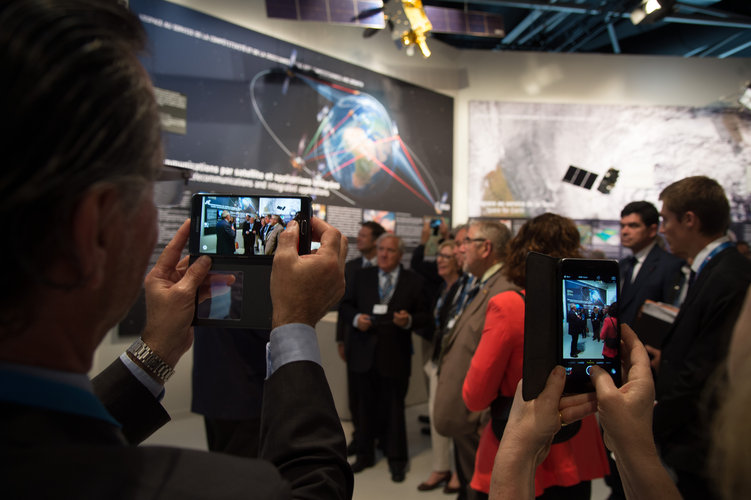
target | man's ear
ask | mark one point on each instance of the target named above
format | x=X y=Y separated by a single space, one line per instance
x=95 y=219
x=691 y=221
x=652 y=230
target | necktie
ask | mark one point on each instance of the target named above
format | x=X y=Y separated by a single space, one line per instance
x=386 y=289
x=628 y=270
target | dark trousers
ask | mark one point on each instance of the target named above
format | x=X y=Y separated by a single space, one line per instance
x=249 y=242
x=234 y=437
x=353 y=397
x=381 y=416
x=574 y=342
x=465 y=450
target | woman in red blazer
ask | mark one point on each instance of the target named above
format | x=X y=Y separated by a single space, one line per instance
x=496 y=369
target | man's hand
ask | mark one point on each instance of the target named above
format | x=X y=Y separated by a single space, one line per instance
x=305 y=287
x=401 y=318
x=626 y=412
x=364 y=322
x=171 y=288
x=342 y=351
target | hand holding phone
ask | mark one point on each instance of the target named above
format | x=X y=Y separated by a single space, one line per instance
x=568 y=295
x=246 y=303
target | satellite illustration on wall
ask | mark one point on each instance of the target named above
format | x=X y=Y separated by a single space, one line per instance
x=356 y=142
x=589 y=161
x=266 y=115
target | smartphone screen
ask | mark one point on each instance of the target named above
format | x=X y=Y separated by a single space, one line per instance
x=240 y=233
x=243 y=225
x=590 y=332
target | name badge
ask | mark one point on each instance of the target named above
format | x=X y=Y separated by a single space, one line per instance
x=380 y=308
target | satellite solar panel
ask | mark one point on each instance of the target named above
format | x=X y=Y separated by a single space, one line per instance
x=314 y=10
x=281 y=9
x=458 y=21
x=367 y=13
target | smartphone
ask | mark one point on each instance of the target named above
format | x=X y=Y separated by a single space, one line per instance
x=567 y=308
x=239 y=280
x=588 y=290
x=217 y=222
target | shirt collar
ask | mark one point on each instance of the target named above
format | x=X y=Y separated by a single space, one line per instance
x=372 y=262
x=704 y=252
x=642 y=254
x=490 y=272
x=394 y=274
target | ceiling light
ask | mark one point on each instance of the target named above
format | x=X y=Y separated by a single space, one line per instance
x=649 y=11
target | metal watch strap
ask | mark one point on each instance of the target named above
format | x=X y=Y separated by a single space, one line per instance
x=141 y=353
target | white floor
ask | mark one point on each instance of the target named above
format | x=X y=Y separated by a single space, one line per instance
x=374 y=483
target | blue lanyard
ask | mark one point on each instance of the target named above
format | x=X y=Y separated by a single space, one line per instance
x=712 y=254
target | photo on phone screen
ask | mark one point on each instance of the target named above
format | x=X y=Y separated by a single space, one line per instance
x=589 y=333
x=242 y=225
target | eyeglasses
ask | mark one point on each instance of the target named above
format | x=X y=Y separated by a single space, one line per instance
x=467 y=241
x=444 y=256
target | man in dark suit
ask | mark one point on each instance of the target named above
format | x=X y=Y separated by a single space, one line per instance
x=366 y=245
x=650 y=273
x=97 y=158
x=483 y=250
x=249 y=235
x=383 y=304
x=695 y=219
x=225 y=235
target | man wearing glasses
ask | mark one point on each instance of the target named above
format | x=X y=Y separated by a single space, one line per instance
x=483 y=250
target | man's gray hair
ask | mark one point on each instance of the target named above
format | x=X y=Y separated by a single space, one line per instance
x=496 y=233
x=399 y=242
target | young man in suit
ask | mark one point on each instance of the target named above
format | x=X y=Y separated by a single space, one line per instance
x=695 y=219
x=483 y=250
x=383 y=304
x=366 y=245
x=96 y=158
x=650 y=273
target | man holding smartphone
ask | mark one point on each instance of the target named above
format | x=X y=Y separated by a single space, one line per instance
x=96 y=159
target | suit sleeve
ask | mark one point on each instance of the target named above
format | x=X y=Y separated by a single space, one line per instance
x=130 y=402
x=348 y=307
x=301 y=433
x=422 y=317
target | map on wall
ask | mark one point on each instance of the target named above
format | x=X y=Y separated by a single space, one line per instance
x=246 y=112
x=588 y=161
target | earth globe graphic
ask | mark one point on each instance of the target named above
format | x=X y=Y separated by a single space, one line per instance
x=359 y=140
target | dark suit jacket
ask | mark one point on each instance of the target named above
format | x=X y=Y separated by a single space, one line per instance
x=342 y=327
x=657 y=280
x=385 y=346
x=50 y=454
x=225 y=238
x=229 y=368
x=693 y=349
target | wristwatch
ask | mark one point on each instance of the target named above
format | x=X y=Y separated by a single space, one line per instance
x=150 y=361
